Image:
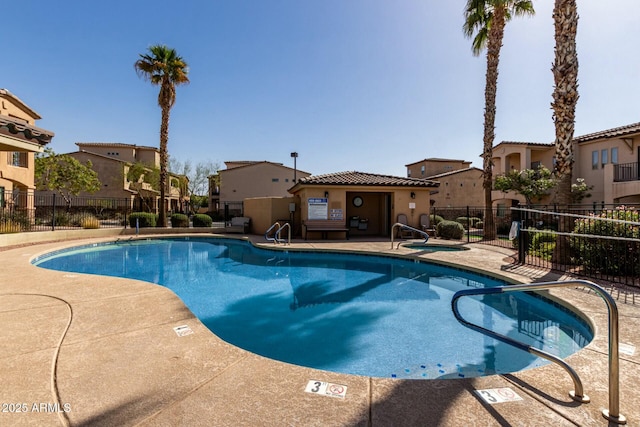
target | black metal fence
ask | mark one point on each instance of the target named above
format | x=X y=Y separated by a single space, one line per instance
x=597 y=241
x=600 y=244
x=20 y=212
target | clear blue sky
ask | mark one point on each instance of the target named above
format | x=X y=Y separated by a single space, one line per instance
x=367 y=85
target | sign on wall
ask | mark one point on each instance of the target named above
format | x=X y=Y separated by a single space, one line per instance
x=318 y=208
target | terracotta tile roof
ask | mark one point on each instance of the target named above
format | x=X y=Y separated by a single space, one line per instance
x=20 y=129
x=610 y=133
x=363 y=178
x=442 y=175
x=114 y=144
x=535 y=144
x=437 y=159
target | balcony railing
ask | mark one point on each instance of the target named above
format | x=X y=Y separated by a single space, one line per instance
x=626 y=172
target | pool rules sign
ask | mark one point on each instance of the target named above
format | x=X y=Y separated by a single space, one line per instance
x=326 y=389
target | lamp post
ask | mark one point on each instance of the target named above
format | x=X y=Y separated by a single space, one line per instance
x=295 y=156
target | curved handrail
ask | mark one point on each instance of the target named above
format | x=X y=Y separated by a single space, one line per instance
x=613 y=413
x=279 y=230
x=407 y=227
x=266 y=234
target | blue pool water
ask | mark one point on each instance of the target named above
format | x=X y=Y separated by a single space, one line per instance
x=357 y=314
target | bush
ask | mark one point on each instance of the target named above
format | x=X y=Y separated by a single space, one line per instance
x=615 y=257
x=202 y=220
x=61 y=218
x=542 y=244
x=89 y=221
x=450 y=230
x=179 y=220
x=144 y=219
x=468 y=222
x=435 y=220
x=480 y=224
x=8 y=225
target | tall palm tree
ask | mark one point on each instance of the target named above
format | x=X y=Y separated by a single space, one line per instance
x=163 y=67
x=565 y=98
x=485 y=21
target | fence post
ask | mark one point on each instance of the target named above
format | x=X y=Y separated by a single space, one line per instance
x=226 y=213
x=468 y=225
x=521 y=239
x=53 y=214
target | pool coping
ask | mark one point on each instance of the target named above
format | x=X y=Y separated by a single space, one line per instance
x=121 y=361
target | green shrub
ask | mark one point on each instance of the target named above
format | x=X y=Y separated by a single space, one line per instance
x=179 y=220
x=468 y=221
x=480 y=224
x=144 y=219
x=450 y=230
x=202 y=220
x=62 y=218
x=542 y=244
x=435 y=220
x=607 y=256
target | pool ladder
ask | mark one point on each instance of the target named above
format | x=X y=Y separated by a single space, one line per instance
x=407 y=227
x=276 y=235
x=613 y=413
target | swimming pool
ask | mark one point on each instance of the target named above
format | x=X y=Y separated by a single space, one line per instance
x=358 y=314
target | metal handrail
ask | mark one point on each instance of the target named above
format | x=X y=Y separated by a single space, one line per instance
x=613 y=413
x=406 y=227
x=266 y=234
x=277 y=235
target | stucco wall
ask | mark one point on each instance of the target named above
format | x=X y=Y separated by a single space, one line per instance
x=264 y=211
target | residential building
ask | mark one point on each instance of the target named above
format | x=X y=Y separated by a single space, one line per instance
x=607 y=160
x=247 y=179
x=461 y=187
x=20 y=139
x=460 y=184
x=434 y=166
x=112 y=162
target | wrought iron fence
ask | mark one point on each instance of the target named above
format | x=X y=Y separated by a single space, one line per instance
x=601 y=244
x=597 y=241
x=20 y=211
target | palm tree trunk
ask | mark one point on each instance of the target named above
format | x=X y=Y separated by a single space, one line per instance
x=164 y=159
x=494 y=44
x=565 y=98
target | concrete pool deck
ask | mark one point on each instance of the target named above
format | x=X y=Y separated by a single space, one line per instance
x=87 y=350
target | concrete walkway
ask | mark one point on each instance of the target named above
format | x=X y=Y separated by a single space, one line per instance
x=88 y=350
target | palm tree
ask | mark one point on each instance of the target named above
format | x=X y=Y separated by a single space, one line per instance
x=565 y=98
x=163 y=67
x=486 y=20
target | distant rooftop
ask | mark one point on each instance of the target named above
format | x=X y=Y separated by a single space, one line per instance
x=437 y=159
x=363 y=178
x=114 y=145
x=610 y=133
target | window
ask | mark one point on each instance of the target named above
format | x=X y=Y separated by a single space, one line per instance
x=18 y=159
x=409 y=173
x=535 y=165
x=604 y=157
x=422 y=170
x=275 y=179
x=614 y=155
x=594 y=159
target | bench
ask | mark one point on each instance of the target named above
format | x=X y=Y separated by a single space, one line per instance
x=324 y=227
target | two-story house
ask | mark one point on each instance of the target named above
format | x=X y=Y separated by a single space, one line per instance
x=247 y=179
x=112 y=162
x=460 y=184
x=20 y=139
x=607 y=160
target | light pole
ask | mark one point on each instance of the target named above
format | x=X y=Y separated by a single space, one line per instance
x=295 y=156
